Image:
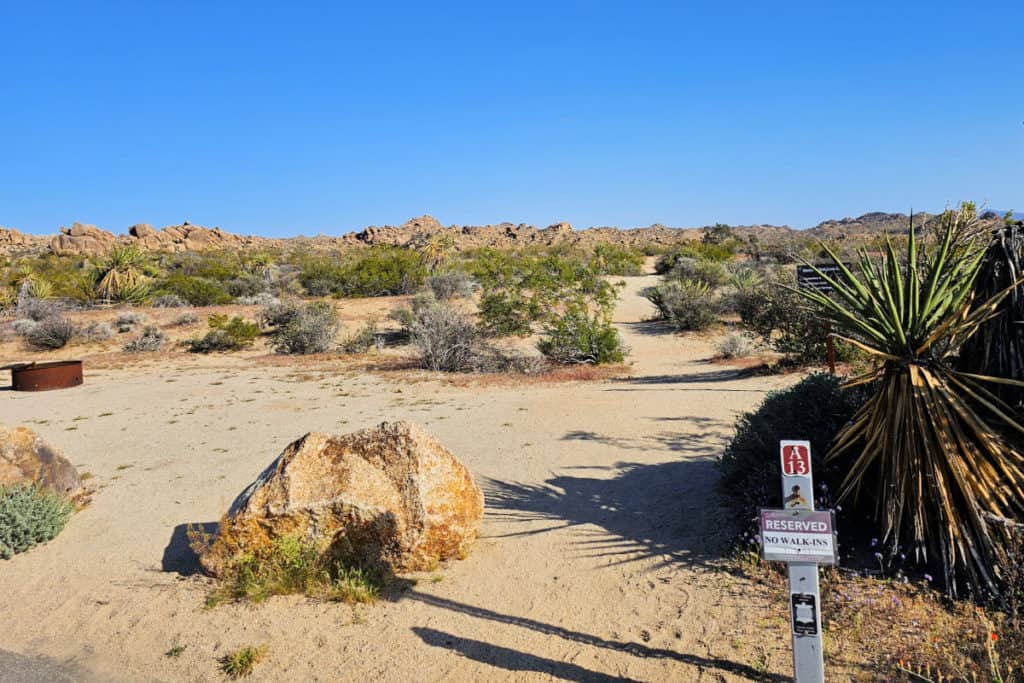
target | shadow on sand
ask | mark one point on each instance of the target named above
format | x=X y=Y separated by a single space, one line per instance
x=178 y=555
x=514 y=660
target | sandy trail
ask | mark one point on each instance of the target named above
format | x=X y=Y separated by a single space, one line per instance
x=596 y=561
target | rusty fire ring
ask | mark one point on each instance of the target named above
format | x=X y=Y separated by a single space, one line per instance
x=62 y=374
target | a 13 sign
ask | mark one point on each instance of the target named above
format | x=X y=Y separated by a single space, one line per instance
x=796 y=459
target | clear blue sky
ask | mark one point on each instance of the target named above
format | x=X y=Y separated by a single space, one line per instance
x=265 y=118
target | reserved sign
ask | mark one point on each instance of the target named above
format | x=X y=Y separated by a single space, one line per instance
x=798 y=536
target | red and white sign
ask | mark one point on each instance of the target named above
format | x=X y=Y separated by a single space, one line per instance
x=796 y=458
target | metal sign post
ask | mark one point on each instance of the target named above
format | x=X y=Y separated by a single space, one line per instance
x=802 y=538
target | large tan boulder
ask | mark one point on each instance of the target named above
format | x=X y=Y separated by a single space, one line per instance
x=82 y=239
x=391 y=496
x=27 y=459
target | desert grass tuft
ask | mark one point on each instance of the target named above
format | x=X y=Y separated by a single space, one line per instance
x=293 y=565
x=241 y=663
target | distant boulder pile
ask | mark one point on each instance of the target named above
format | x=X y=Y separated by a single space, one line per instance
x=89 y=240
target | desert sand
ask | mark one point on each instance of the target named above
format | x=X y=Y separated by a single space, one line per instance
x=599 y=556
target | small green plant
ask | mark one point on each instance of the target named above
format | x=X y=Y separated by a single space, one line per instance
x=294 y=565
x=242 y=662
x=612 y=259
x=579 y=335
x=30 y=515
x=175 y=651
x=225 y=334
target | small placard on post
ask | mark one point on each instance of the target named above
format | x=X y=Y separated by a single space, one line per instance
x=798 y=536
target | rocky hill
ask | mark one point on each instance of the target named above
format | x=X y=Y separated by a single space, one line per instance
x=89 y=240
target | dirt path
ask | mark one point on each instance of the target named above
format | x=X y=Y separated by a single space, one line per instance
x=596 y=561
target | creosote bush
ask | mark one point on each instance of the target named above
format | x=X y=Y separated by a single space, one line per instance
x=28 y=516
x=578 y=335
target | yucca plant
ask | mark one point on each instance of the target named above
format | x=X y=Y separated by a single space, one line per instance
x=998 y=346
x=931 y=436
x=121 y=275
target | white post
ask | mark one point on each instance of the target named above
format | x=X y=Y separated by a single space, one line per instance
x=804 y=595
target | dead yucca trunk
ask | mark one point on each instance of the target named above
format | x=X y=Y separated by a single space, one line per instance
x=998 y=347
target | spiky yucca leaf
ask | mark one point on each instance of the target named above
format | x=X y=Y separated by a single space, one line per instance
x=122 y=278
x=932 y=435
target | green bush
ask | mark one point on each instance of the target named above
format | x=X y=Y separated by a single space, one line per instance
x=377 y=271
x=785 y=322
x=29 y=515
x=579 y=336
x=706 y=271
x=197 y=291
x=450 y=285
x=686 y=304
x=303 y=328
x=813 y=409
x=695 y=250
x=225 y=335
x=612 y=259
x=508 y=314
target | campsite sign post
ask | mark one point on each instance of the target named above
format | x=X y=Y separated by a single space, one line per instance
x=803 y=538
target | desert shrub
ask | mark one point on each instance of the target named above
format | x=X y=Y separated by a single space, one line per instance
x=292 y=565
x=308 y=328
x=169 y=301
x=815 y=408
x=150 y=339
x=225 y=335
x=522 y=288
x=405 y=316
x=128 y=319
x=186 y=318
x=695 y=250
x=260 y=299
x=364 y=339
x=377 y=271
x=197 y=291
x=705 y=271
x=735 y=346
x=578 y=335
x=612 y=259
x=785 y=322
x=28 y=516
x=686 y=304
x=450 y=285
x=23 y=326
x=445 y=338
x=96 y=332
x=51 y=333
x=33 y=307
x=246 y=286
x=508 y=314
x=490 y=359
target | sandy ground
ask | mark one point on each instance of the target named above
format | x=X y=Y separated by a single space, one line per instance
x=598 y=554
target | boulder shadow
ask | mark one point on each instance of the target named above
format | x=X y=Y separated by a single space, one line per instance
x=178 y=555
